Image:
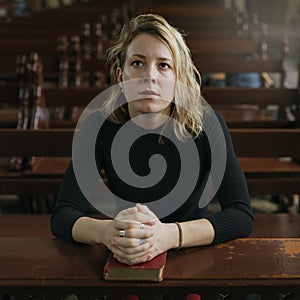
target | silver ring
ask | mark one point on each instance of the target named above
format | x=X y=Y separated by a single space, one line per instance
x=142 y=226
x=142 y=241
x=122 y=233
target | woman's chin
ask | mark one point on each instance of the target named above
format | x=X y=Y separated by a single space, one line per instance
x=150 y=105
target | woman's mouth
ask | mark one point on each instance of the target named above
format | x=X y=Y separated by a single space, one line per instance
x=149 y=93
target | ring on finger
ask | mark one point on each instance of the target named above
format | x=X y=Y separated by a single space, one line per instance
x=142 y=226
x=121 y=233
x=142 y=241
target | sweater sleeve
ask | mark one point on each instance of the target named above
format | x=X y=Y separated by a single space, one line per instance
x=71 y=204
x=235 y=220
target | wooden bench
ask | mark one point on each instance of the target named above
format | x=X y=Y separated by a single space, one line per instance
x=227 y=100
x=241 y=107
x=45 y=43
x=260 y=152
x=226 y=64
x=248 y=107
x=54 y=269
x=80 y=11
x=213 y=55
x=191 y=15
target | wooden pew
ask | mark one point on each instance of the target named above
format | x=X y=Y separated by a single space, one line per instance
x=209 y=46
x=227 y=100
x=191 y=15
x=213 y=55
x=247 y=107
x=228 y=64
x=260 y=152
x=46 y=177
x=80 y=11
x=46 y=43
x=270 y=159
x=52 y=268
x=280 y=97
x=51 y=61
x=216 y=64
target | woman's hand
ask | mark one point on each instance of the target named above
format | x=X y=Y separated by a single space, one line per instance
x=140 y=236
x=166 y=235
x=132 y=230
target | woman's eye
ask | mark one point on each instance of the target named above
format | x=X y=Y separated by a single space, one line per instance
x=165 y=66
x=137 y=63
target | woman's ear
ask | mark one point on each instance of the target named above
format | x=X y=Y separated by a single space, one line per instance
x=119 y=75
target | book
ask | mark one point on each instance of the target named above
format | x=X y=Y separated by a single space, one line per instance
x=152 y=270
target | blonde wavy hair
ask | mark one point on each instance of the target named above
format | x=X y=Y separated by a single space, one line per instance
x=187 y=109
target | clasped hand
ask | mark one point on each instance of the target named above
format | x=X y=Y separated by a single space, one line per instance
x=138 y=235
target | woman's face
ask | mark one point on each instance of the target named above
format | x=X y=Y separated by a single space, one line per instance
x=148 y=77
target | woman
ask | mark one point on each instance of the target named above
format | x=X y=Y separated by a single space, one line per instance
x=160 y=89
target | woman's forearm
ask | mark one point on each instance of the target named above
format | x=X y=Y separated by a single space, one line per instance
x=185 y=234
x=92 y=231
x=196 y=233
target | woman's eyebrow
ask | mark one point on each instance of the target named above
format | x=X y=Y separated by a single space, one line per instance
x=144 y=57
x=137 y=55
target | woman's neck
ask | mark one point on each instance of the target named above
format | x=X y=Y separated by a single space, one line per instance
x=149 y=121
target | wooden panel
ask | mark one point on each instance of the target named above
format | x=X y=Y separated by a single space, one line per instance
x=247 y=142
x=39 y=266
x=266 y=142
x=36 y=142
x=225 y=64
x=30 y=186
x=274 y=186
x=223 y=47
x=257 y=96
x=239 y=259
x=71 y=96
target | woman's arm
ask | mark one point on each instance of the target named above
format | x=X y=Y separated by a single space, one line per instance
x=88 y=230
x=71 y=219
x=235 y=219
x=165 y=236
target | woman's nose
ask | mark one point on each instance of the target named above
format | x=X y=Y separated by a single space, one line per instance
x=149 y=74
x=149 y=79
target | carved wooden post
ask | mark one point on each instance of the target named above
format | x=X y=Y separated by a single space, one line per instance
x=63 y=49
x=63 y=66
x=264 y=42
x=76 y=60
x=40 y=114
x=284 y=55
x=86 y=40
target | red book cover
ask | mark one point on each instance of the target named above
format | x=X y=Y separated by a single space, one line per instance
x=152 y=270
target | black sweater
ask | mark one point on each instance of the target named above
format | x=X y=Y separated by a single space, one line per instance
x=233 y=221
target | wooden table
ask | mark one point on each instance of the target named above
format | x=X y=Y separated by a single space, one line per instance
x=36 y=266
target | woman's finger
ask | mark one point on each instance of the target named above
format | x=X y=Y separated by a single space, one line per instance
x=133 y=246
x=133 y=220
x=145 y=210
x=128 y=211
x=140 y=231
x=131 y=258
